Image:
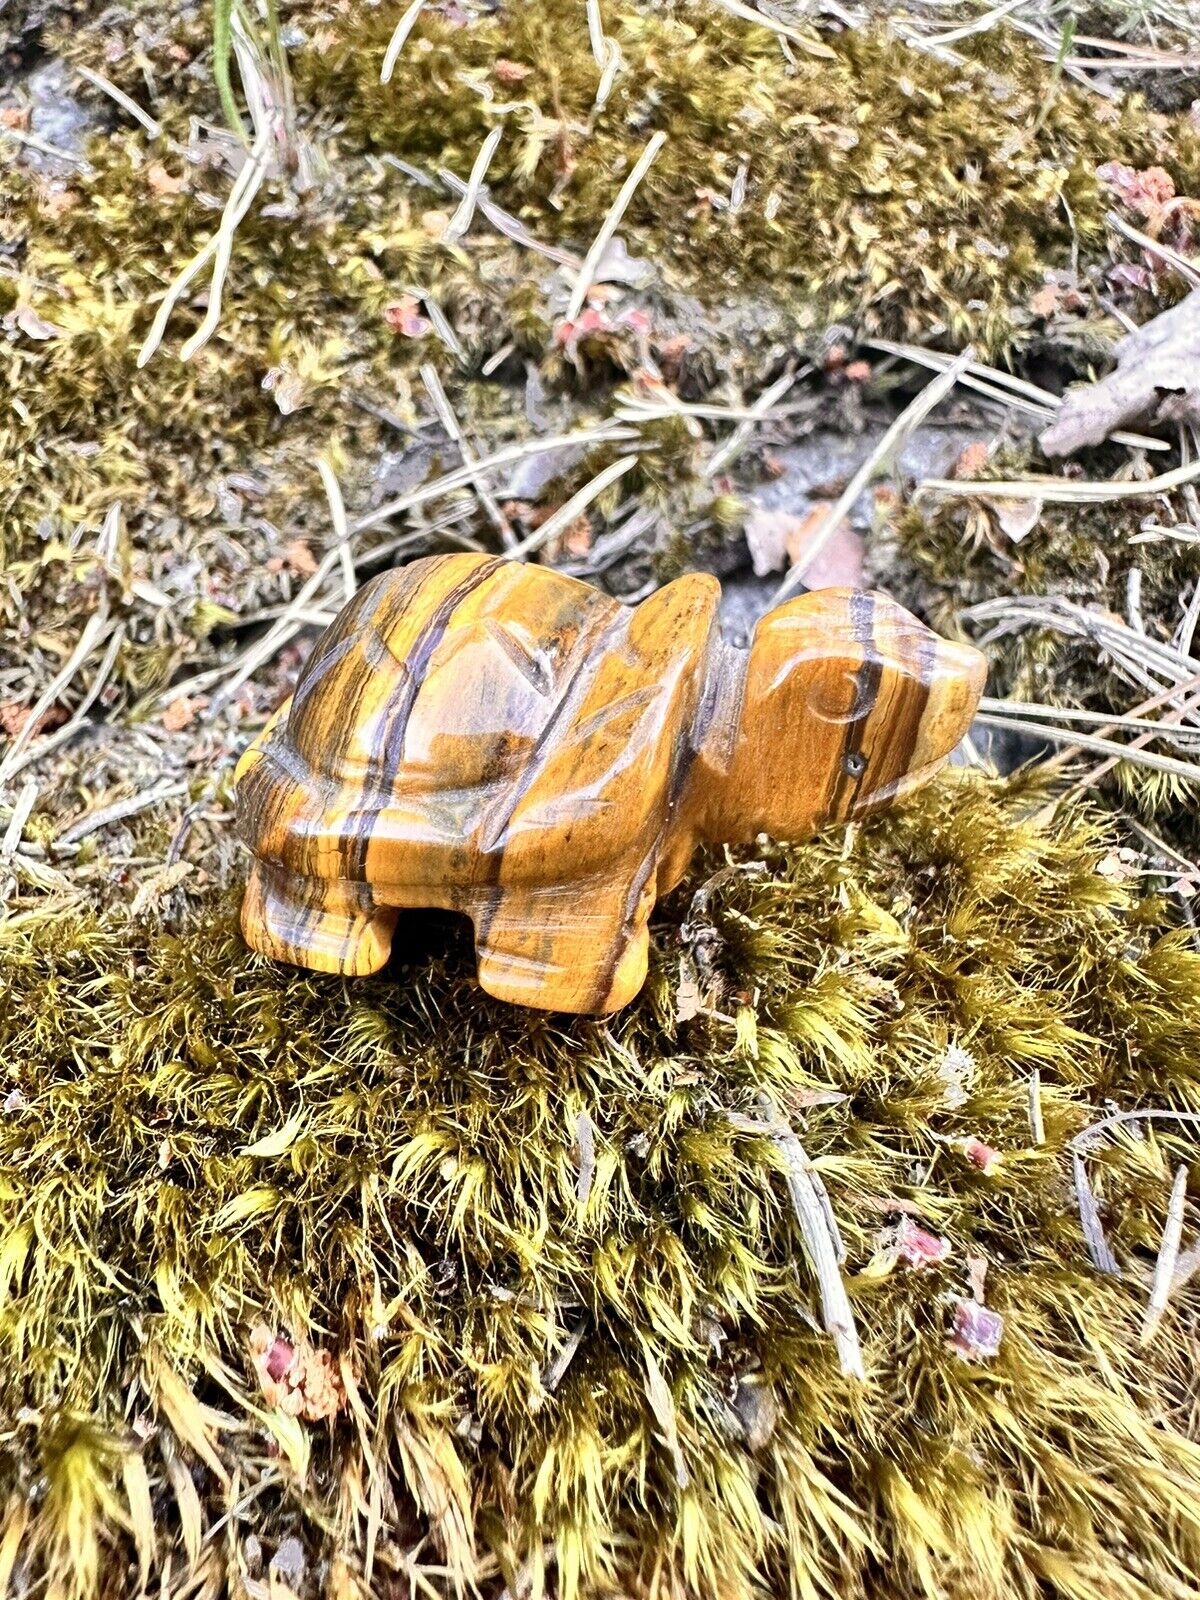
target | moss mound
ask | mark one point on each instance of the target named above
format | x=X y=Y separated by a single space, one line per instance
x=532 y=1285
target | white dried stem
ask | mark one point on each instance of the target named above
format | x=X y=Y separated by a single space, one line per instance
x=591 y=262
x=396 y=43
x=813 y=1214
x=578 y=503
x=1168 y=1257
x=441 y=404
x=122 y=99
x=878 y=461
x=462 y=218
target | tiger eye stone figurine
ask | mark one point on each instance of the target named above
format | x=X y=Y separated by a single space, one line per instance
x=501 y=740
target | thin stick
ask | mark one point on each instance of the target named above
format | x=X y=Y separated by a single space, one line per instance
x=46 y=149
x=822 y=1247
x=1182 y=264
x=1106 y=719
x=337 y=515
x=461 y=477
x=608 y=227
x=223 y=243
x=566 y=514
x=1102 y=1257
x=159 y=326
x=92 y=633
x=119 y=811
x=17 y=820
x=1037 y=1126
x=1104 y=747
x=992 y=383
x=435 y=391
x=556 y=1371
x=979 y=25
x=396 y=43
x=1168 y=1256
x=1064 y=491
x=889 y=446
x=461 y=220
x=122 y=99
x=61 y=736
x=749 y=14
x=724 y=454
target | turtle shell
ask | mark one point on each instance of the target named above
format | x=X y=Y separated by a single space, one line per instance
x=470 y=721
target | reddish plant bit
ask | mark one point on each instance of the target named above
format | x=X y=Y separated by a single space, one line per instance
x=181 y=712
x=14 y=716
x=981 y=1155
x=918 y=1247
x=1142 y=191
x=510 y=71
x=977 y=1331
x=279 y=1358
x=403 y=316
x=858 y=371
x=972 y=461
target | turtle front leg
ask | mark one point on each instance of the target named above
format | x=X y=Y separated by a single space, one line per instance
x=317 y=923
x=578 y=947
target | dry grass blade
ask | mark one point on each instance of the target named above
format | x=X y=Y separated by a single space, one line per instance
x=577 y=504
x=982 y=24
x=662 y=1404
x=557 y=1369
x=1089 y=1218
x=748 y=14
x=1104 y=747
x=1037 y=1125
x=1168 y=1257
x=462 y=477
x=141 y=1513
x=341 y=533
x=1003 y=388
x=218 y=249
x=585 y=1140
x=43 y=147
x=767 y=400
x=877 y=461
x=119 y=811
x=463 y=216
x=122 y=99
x=1105 y=719
x=17 y=820
x=396 y=43
x=591 y=262
x=1098 y=1248
x=93 y=632
x=813 y=1213
x=445 y=412
x=1188 y=268
x=1065 y=491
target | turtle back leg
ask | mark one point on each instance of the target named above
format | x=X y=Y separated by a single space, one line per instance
x=574 y=947
x=322 y=924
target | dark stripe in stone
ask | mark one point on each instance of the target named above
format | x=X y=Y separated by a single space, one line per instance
x=867 y=679
x=388 y=750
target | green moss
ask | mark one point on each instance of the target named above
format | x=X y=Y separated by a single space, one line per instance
x=194 y=1141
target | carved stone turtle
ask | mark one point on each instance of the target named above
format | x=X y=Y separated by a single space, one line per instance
x=501 y=740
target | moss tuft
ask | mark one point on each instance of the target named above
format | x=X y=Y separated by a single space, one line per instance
x=195 y=1143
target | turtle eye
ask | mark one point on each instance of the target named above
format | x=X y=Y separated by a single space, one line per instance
x=854 y=763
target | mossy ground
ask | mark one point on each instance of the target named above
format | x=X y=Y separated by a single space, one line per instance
x=195 y=1141
x=955 y=555
x=882 y=186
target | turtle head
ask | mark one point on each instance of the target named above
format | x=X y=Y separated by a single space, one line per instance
x=848 y=702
